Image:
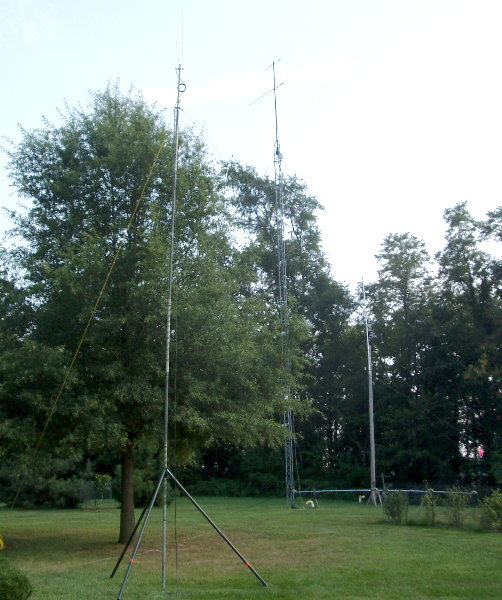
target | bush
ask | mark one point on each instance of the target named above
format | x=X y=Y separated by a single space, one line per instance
x=14 y=585
x=457 y=501
x=395 y=506
x=429 y=503
x=47 y=482
x=218 y=487
x=491 y=512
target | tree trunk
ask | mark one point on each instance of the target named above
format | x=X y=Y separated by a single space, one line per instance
x=127 y=520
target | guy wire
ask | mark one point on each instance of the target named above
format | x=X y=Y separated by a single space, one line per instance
x=91 y=315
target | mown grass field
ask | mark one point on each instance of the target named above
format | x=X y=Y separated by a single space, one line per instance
x=341 y=550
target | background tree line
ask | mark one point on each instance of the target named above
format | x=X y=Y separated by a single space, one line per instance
x=99 y=186
x=435 y=329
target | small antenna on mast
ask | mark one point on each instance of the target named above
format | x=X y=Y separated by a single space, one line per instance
x=277 y=147
x=180 y=37
x=275 y=88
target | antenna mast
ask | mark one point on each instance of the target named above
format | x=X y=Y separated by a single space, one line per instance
x=181 y=88
x=162 y=481
x=375 y=496
x=283 y=303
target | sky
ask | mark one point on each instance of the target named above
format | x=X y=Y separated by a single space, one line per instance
x=389 y=110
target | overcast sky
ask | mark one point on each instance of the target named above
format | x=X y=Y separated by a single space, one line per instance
x=391 y=110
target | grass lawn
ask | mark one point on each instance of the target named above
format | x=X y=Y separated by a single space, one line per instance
x=341 y=550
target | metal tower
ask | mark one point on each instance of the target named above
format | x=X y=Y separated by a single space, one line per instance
x=283 y=305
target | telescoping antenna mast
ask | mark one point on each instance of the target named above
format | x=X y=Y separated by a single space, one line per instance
x=375 y=495
x=283 y=303
x=166 y=473
x=180 y=90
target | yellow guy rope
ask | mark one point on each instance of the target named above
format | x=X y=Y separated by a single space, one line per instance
x=93 y=312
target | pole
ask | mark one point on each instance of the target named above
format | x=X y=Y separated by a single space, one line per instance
x=162 y=482
x=374 y=490
x=181 y=88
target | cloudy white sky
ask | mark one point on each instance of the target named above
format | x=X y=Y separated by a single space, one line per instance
x=390 y=109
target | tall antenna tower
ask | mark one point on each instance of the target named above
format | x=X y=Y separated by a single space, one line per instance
x=283 y=303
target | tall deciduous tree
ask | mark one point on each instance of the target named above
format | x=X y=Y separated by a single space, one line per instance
x=470 y=320
x=102 y=182
x=401 y=308
x=323 y=305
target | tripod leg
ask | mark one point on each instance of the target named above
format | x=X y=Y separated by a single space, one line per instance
x=130 y=540
x=216 y=528
x=140 y=536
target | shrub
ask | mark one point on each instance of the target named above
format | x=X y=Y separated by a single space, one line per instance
x=395 y=506
x=47 y=482
x=14 y=585
x=429 y=503
x=217 y=487
x=457 y=501
x=491 y=511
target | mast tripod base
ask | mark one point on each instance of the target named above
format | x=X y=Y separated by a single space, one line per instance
x=143 y=521
x=375 y=497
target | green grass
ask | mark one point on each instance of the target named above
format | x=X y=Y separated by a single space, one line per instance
x=341 y=550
